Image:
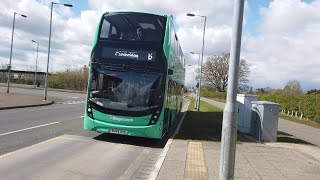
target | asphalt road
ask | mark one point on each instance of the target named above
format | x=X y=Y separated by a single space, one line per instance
x=49 y=142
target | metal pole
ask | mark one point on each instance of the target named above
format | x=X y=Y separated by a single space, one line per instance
x=204 y=31
x=197 y=93
x=193 y=80
x=9 y=70
x=46 y=79
x=229 y=127
x=35 y=74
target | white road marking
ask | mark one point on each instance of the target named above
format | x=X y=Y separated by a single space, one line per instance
x=166 y=148
x=28 y=128
x=159 y=162
x=75 y=97
x=71 y=102
x=81 y=116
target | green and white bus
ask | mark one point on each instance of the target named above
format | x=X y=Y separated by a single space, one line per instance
x=136 y=78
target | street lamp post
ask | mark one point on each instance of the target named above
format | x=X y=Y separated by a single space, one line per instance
x=192 y=78
x=197 y=93
x=204 y=31
x=46 y=79
x=9 y=67
x=35 y=73
x=230 y=112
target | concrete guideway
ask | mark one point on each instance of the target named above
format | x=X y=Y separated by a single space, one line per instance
x=68 y=156
x=97 y=156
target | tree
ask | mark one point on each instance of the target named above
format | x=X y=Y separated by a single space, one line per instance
x=33 y=68
x=3 y=66
x=313 y=91
x=215 y=73
x=293 y=87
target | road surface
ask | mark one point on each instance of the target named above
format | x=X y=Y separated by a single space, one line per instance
x=49 y=142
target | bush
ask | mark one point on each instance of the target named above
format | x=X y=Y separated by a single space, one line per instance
x=308 y=104
x=70 y=79
x=213 y=94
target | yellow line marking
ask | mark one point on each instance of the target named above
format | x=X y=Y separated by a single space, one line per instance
x=5 y=155
x=45 y=141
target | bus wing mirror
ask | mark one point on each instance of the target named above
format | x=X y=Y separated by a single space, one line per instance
x=170 y=71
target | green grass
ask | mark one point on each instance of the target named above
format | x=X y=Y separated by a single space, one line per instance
x=203 y=125
x=303 y=121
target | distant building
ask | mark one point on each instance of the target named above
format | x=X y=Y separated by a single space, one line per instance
x=22 y=77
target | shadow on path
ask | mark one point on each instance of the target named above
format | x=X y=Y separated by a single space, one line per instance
x=288 y=138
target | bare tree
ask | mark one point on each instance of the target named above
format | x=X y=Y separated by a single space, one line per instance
x=293 y=87
x=3 y=65
x=215 y=73
x=33 y=68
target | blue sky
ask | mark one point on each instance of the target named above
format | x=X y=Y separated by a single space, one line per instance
x=78 y=6
x=253 y=16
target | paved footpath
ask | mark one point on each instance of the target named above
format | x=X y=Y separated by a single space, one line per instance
x=14 y=100
x=188 y=159
x=299 y=131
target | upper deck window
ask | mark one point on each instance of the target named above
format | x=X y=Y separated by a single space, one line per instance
x=133 y=27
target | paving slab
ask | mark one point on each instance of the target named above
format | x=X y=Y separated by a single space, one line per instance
x=201 y=160
x=253 y=161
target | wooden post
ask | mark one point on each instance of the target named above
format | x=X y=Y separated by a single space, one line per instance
x=301 y=116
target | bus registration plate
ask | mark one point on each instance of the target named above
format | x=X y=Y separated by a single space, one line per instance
x=117 y=131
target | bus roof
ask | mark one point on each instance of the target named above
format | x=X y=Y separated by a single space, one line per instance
x=122 y=12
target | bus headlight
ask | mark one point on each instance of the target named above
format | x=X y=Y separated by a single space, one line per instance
x=89 y=112
x=154 y=117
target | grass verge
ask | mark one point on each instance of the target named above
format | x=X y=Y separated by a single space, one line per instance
x=203 y=125
x=303 y=121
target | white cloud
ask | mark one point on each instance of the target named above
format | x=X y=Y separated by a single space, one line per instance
x=289 y=16
x=72 y=35
x=286 y=47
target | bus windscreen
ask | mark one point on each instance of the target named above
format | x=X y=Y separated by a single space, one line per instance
x=133 y=27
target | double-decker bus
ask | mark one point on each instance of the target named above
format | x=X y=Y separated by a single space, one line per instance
x=136 y=77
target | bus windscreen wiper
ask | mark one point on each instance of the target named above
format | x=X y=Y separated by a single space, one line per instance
x=109 y=67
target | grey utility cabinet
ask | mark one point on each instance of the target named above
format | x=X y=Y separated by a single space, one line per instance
x=244 y=112
x=265 y=120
